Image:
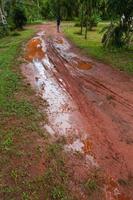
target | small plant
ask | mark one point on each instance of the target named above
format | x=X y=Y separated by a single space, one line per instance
x=7 y=141
x=54 y=149
x=14 y=175
x=25 y=196
x=49 y=176
x=91 y=186
x=95 y=183
x=58 y=193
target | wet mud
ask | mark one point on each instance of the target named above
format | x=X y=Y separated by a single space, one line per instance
x=90 y=104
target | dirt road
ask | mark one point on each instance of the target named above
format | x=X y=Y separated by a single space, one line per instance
x=90 y=105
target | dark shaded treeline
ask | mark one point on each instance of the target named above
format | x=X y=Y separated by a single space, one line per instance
x=16 y=13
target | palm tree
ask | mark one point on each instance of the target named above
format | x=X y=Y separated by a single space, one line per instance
x=119 y=32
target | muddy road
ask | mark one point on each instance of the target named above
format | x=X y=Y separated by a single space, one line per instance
x=90 y=105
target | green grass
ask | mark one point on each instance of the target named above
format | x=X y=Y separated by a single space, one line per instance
x=20 y=131
x=19 y=120
x=56 y=176
x=94 y=185
x=121 y=59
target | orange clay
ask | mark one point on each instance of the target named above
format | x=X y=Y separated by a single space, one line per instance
x=87 y=146
x=84 y=65
x=34 y=50
x=111 y=186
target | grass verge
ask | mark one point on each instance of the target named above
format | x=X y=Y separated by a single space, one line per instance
x=31 y=168
x=121 y=59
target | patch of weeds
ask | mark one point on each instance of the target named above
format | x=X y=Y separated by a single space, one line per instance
x=58 y=193
x=8 y=192
x=3 y=46
x=10 y=83
x=6 y=141
x=15 y=34
x=34 y=127
x=18 y=175
x=26 y=196
x=19 y=123
x=53 y=150
x=14 y=175
x=56 y=176
x=20 y=108
x=19 y=154
x=94 y=184
x=63 y=175
x=91 y=186
x=49 y=176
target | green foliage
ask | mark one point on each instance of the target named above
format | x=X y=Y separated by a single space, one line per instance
x=58 y=193
x=88 y=12
x=94 y=20
x=6 y=140
x=9 y=80
x=67 y=9
x=119 y=33
x=19 y=17
x=19 y=125
x=113 y=36
x=3 y=30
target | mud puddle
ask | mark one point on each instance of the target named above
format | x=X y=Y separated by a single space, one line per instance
x=64 y=116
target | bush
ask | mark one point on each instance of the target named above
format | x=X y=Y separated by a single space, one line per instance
x=94 y=20
x=77 y=24
x=3 y=30
x=19 y=17
x=114 y=36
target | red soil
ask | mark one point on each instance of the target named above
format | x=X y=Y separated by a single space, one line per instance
x=104 y=98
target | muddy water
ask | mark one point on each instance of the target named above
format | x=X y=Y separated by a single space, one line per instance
x=64 y=116
x=82 y=108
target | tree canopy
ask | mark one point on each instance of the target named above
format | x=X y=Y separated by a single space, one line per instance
x=16 y=13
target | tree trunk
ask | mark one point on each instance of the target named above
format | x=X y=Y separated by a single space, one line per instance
x=87 y=17
x=89 y=10
x=2 y=14
x=82 y=15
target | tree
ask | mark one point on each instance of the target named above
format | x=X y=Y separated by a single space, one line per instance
x=91 y=8
x=3 y=21
x=119 y=32
x=68 y=8
x=19 y=17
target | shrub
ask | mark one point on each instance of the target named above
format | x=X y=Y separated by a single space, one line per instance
x=94 y=20
x=3 y=30
x=19 y=17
